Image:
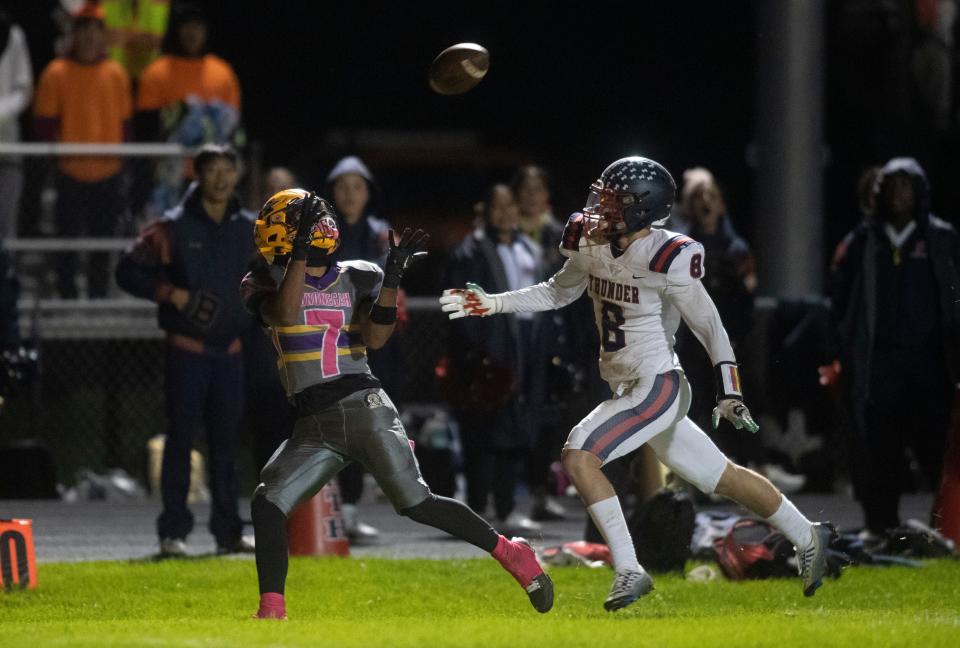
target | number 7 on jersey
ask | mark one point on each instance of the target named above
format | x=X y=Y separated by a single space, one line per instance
x=333 y=321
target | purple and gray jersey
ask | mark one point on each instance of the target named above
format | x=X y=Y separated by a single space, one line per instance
x=326 y=343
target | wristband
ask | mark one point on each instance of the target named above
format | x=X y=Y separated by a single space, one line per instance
x=385 y=315
x=728 y=380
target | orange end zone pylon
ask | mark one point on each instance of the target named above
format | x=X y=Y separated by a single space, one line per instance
x=18 y=565
x=315 y=528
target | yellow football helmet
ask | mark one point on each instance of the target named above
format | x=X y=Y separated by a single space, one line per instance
x=276 y=226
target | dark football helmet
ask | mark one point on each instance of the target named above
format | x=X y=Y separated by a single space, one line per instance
x=631 y=194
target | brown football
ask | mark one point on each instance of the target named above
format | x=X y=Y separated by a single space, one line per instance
x=459 y=68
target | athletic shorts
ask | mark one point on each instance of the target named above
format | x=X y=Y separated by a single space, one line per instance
x=653 y=410
x=363 y=427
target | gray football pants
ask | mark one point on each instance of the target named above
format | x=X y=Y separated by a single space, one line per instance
x=363 y=427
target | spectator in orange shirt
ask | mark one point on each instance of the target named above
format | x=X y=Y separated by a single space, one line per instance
x=84 y=97
x=185 y=69
x=187 y=96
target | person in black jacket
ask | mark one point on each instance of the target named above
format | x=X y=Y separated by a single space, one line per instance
x=489 y=360
x=190 y=262
x=896 y=315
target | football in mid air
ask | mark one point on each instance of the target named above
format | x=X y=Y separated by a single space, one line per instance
x=459 y=68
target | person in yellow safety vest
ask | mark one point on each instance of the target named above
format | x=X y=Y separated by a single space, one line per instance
x=135 y=29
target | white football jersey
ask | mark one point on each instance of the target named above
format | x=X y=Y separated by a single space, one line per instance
x=638 y=300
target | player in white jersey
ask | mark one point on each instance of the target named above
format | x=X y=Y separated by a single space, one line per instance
x=643 y=280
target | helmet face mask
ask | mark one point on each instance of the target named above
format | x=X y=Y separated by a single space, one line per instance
x=632 y=194
x=325 y=237
x=277 y=223
x=604 y=212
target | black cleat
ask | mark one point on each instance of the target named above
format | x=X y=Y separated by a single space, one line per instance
x=540 y=592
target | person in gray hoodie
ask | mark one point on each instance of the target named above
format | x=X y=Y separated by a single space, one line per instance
x=356 y=198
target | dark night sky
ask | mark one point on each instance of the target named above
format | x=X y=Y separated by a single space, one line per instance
x=573 y=88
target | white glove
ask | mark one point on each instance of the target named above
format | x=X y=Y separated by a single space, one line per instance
x=736 y=412
x=472 y=301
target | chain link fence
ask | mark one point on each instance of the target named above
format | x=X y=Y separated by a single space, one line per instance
x=98 y=397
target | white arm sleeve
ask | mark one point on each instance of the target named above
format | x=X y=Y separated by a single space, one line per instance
x=556 y=292
x=700 y=314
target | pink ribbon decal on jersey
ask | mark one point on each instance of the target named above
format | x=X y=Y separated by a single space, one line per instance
x=605 y=439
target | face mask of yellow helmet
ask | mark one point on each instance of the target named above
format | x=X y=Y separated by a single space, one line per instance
x=279 y=220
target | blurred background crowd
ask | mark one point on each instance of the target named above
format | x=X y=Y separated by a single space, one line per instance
x=326 y=99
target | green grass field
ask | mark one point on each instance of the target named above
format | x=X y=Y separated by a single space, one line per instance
x=359 y=602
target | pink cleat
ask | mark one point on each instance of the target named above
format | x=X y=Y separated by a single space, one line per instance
x=518 y=558
x=271 y=607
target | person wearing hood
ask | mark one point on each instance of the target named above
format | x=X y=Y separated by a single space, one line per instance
x=190 y=262
x=895 y=294
x=355 y=196
x=84 y=97
x=362 y=236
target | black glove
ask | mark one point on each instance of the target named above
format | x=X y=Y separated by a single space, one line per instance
x=310 y=210
x=401 y=254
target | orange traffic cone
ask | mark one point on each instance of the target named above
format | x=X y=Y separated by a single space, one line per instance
x=315 y=528
x=18 y=566
x=946 y=511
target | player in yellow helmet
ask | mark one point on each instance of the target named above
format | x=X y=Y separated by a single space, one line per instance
x=323 y=315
